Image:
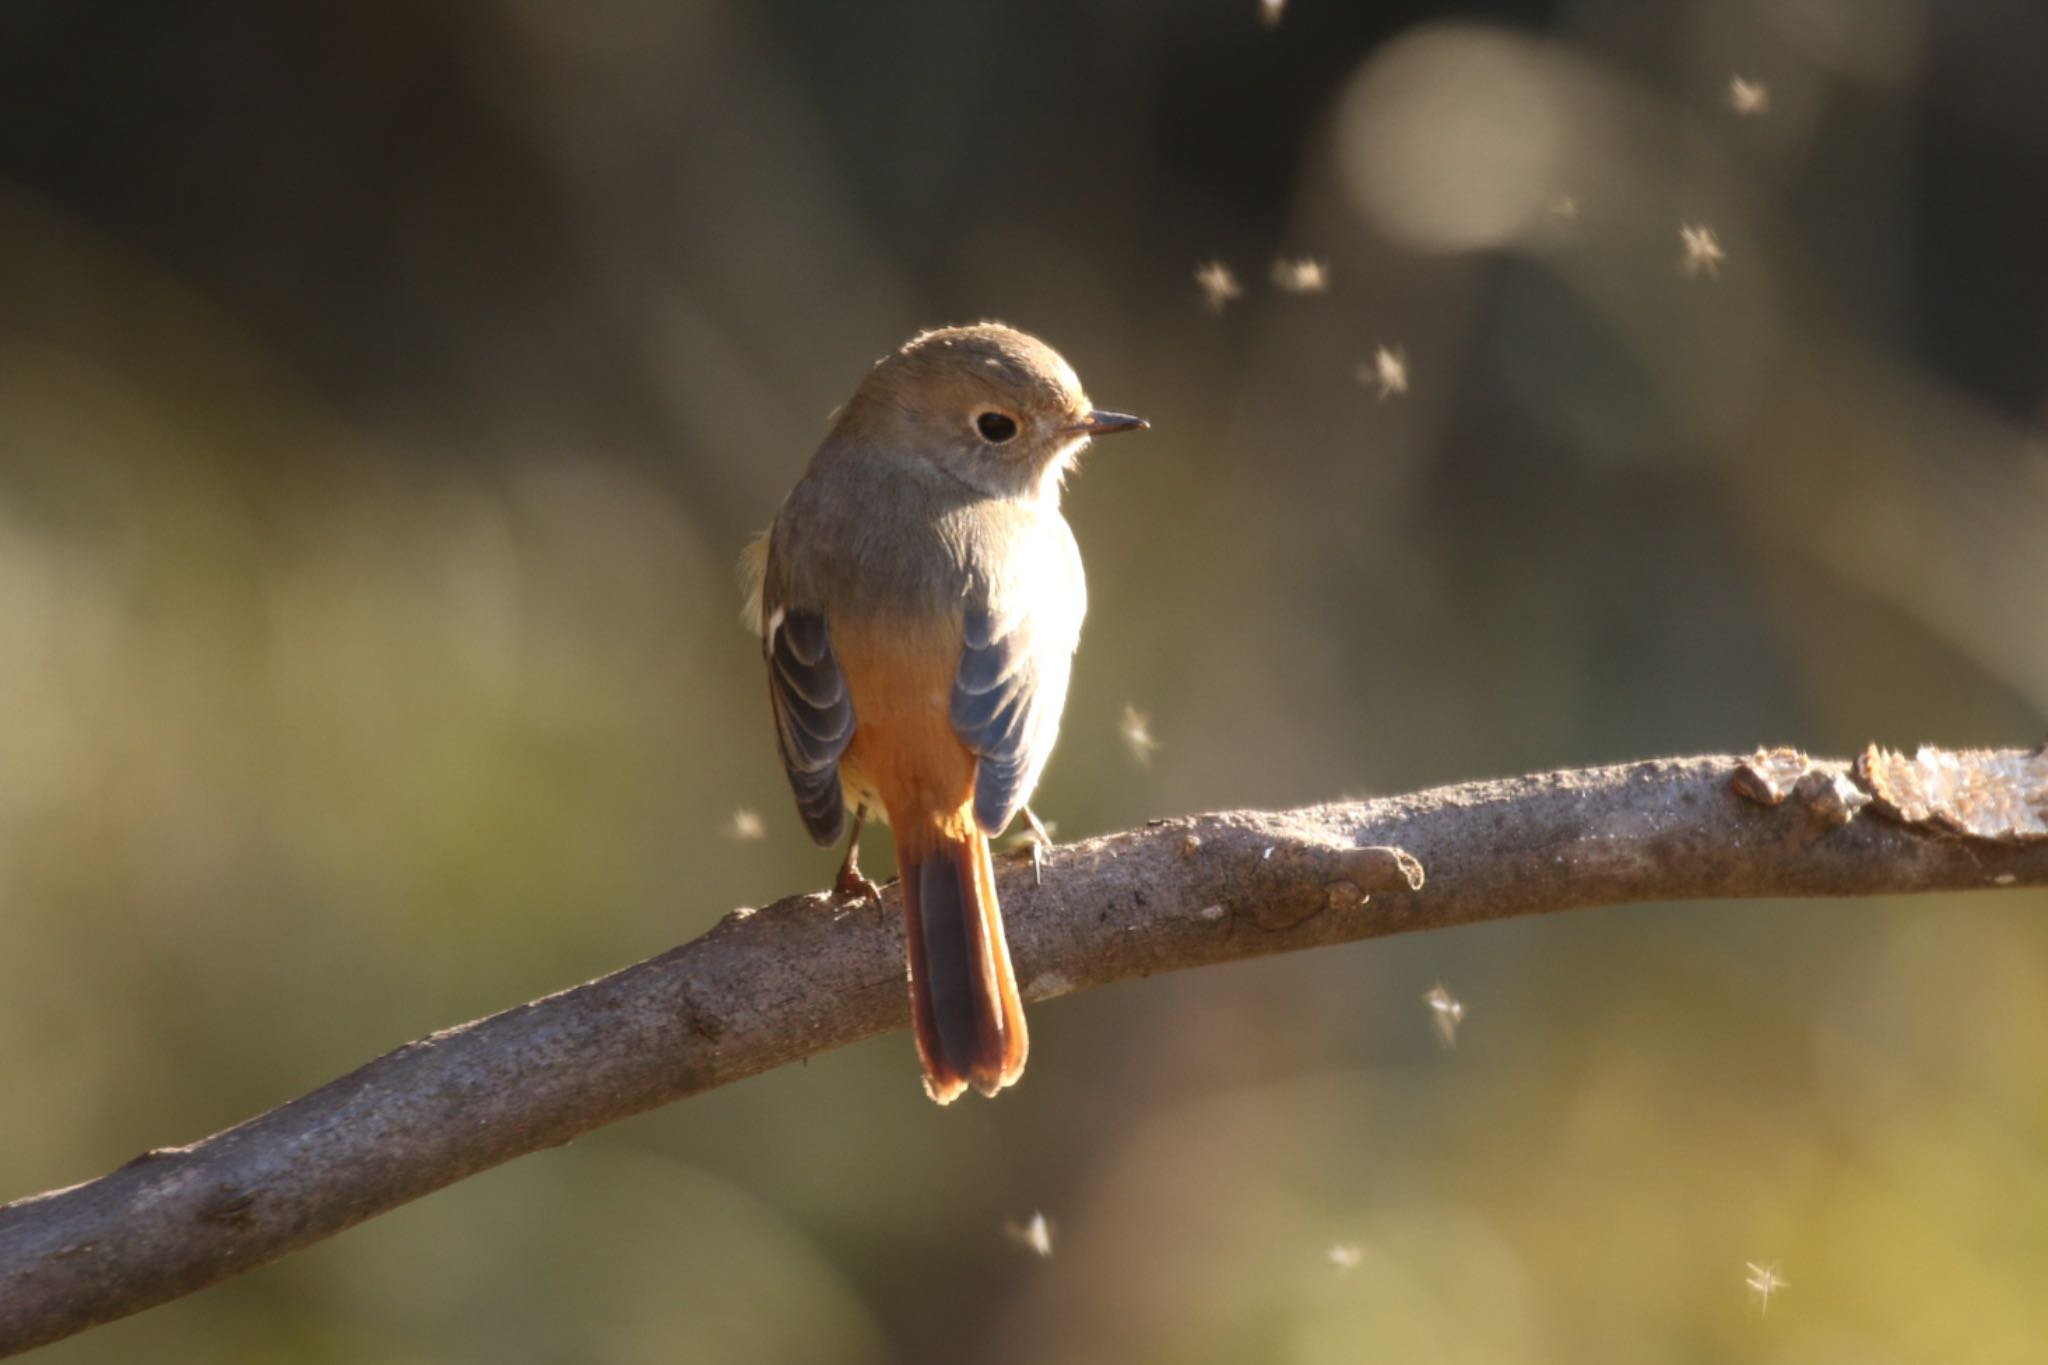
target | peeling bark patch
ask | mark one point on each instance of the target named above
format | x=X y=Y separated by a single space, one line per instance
x=1823 y=799
x=1830 y=798
x=1996 y=794
x=1768 y=776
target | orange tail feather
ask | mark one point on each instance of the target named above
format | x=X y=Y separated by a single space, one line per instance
x=965 y=1009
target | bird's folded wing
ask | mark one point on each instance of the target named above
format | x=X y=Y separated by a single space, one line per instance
x=1006 y=702
x=813 y=716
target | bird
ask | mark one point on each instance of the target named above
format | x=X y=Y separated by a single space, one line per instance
x=918 y=599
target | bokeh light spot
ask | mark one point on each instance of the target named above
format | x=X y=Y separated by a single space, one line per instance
x=1450 y=137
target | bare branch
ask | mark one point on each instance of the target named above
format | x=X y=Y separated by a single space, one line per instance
x=804 y=975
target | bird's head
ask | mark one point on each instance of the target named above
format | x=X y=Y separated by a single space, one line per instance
x=992 y=406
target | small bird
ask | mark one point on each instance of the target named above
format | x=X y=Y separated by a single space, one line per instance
x=919 y=598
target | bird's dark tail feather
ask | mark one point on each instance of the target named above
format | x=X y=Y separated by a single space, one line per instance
x=964 y=1004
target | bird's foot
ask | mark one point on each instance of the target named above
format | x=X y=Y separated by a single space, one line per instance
x=852 y=887
x=849 y=885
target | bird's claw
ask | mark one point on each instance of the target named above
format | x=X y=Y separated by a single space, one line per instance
x=1041 y=840
x=852 y=887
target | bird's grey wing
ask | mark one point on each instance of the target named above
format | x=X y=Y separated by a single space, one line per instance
x=813 y=716
x=1006 y=703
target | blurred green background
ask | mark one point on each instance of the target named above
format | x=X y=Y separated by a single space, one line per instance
x=385 y=393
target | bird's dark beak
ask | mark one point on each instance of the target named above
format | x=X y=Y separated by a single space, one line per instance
x=1100 y=423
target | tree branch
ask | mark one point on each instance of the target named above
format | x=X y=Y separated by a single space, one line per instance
x=804 y=975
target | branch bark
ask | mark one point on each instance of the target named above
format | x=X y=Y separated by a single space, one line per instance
x=804 y=975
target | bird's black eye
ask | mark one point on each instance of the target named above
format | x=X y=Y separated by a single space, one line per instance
x=996 y=427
